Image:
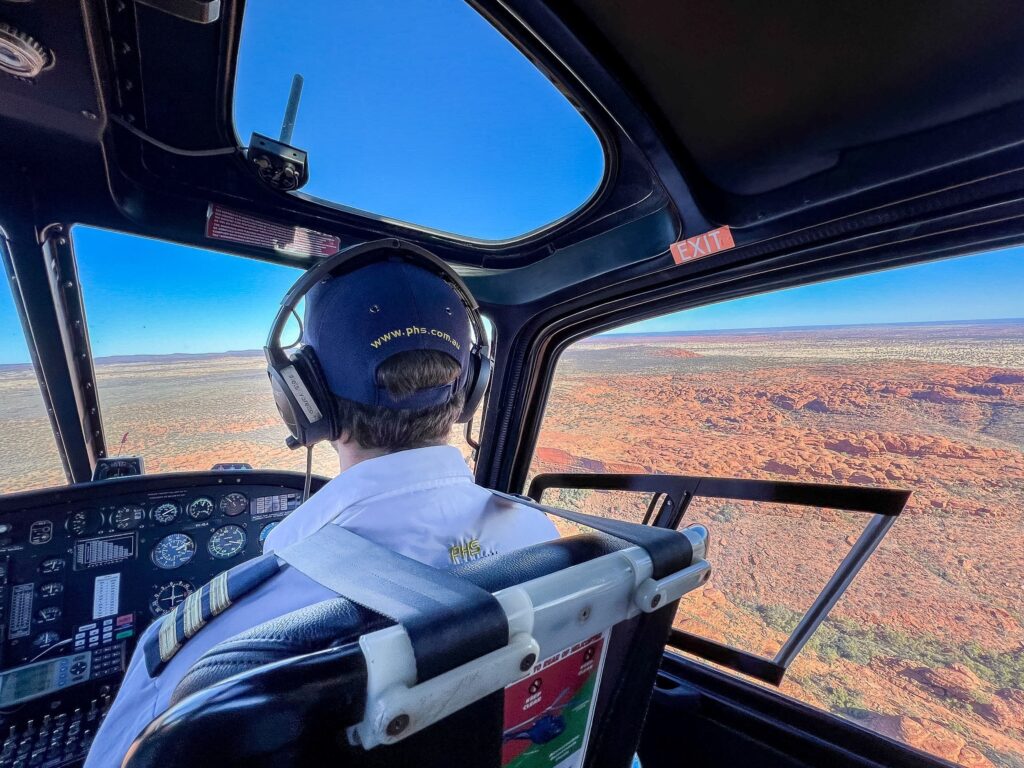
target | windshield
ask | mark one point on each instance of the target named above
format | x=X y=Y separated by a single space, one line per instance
x=177 y=336
x=420 y=112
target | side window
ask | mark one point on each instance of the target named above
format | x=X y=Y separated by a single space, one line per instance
x=28 y=451
x=911 y=378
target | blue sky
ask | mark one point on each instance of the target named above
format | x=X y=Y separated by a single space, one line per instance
x=428 y=114
x=978 y=287
x=417 y=111
x=148 y=297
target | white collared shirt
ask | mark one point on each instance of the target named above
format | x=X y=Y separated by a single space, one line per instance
x=421 y=503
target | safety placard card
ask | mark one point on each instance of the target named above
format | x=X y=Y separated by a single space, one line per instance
x=549 y=712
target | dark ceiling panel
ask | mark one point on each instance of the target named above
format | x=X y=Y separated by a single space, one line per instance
x=762 y=94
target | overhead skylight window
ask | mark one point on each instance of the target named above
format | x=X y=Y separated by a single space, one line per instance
x=417 y=111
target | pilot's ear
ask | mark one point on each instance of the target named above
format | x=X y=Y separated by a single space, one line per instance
x=344 y=438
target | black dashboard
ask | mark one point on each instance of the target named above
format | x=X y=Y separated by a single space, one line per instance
x=84 y=569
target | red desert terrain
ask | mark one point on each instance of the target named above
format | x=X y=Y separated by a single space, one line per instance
x=926 y=647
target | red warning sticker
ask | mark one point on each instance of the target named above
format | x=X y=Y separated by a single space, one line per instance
x=237 y=227
x=699 y=246
x=548 y=713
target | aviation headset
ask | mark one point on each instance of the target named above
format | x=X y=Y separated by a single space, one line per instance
x=301 y=393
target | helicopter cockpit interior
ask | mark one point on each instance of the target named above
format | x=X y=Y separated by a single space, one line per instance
x=592 y=171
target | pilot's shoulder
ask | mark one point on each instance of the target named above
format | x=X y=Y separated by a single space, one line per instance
x=162 y=641
x=521 y=512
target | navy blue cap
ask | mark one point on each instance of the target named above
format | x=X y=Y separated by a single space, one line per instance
x=358 y=320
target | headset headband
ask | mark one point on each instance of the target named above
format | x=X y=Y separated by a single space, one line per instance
x=362 y=252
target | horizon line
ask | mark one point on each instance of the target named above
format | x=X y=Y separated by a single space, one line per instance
x=135 y=356
x=746 y=329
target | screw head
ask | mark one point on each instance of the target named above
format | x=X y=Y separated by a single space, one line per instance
x=656 y=601
x=398 y=724
x=528 y=661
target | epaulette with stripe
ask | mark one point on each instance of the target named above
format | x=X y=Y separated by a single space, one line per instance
x=195 y=612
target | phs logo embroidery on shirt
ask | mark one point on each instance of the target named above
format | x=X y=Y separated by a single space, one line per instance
x=462 y=552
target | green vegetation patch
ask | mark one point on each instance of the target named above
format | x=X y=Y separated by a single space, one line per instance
x=846 y=639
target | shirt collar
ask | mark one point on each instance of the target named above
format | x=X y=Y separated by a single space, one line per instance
x=393 y=474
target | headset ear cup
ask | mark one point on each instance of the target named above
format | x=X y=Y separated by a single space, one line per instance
x=306 y=363
x=479 y=380
x=289 y=409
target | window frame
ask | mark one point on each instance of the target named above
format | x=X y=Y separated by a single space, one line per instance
x=883 y=504
x=555 y=71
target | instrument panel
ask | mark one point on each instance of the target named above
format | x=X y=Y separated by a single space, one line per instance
x=84 y=569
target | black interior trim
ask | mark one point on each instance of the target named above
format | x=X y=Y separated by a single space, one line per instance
x=79 y=492
x=727 y=718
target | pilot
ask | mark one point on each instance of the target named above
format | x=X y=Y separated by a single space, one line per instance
x=400 y=485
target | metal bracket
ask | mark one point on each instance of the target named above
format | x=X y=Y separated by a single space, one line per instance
x=197 y=11
x=544 y=616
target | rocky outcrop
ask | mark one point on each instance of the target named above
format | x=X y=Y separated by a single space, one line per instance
x=1006 y=378
x=935 y=396
x=931 y=737
x=953 y=682
x=1006 y=709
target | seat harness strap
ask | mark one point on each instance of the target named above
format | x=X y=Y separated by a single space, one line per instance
x=450 y=621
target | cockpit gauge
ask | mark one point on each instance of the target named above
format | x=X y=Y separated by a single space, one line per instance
x=166 y=513
x=173 y=551
x=265 y=531
x=200 y=508
x=227 y=541
x=234 y=504
x=169 y=595
x=127 y=517
x=50 y=613
x=52 y=565
x=84 y=521
x=51 y=589
x=45 y=639
x=41 y=532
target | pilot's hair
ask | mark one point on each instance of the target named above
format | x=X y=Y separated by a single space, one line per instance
x=393 y=430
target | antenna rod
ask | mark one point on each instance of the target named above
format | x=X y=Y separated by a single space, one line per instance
x=291 y=110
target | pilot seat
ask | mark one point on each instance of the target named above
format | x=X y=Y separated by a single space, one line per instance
x=542 y=656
